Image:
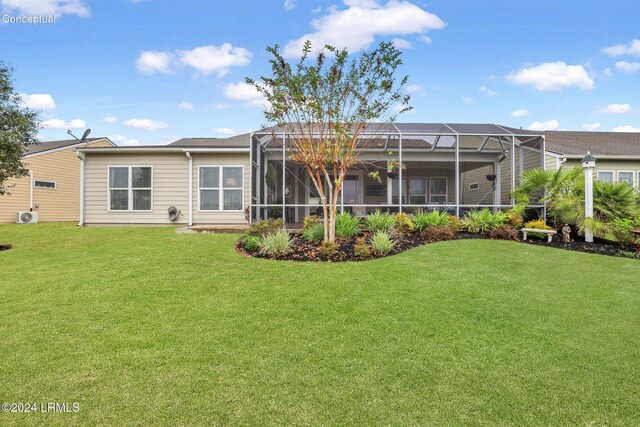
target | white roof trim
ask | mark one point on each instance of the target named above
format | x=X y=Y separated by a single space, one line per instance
x=66 y=147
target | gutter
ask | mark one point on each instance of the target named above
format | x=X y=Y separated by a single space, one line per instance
x=188 y=154
x=603 y=156
x=141 y=150
x=81 y=156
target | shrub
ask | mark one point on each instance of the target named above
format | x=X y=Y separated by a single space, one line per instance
x=379 y=221
x=621 y=231
x=251 y=243
x=314 y=233
x=515 y=220
x=455 y=224
x=540 y=225
x=483 y=221
x=382 y=243
x=327 y=249
x=438 y=233
x=264 y=227
x=310 y=221
x=347 y=225
x=361 y=248
x=276 y=243
x=504 y=232
x=422 y=220
x=403 y=224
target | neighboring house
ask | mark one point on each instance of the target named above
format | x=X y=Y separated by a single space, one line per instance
x=52 y=187
x=617 y=153
x=449 y=166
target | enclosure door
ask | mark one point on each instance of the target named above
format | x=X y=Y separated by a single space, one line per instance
x=351 y=190
x=438 y=190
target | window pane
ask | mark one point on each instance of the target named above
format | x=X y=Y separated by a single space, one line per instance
x=44 y=184
x=141 y=177
x=438 y=186
x=141 y=200
x=119 y=200
x=605 y=176
x=119 y=177
x=232 y=177
x=232 y=200
x=209 y=200
x=626 y=177
x=209 y=177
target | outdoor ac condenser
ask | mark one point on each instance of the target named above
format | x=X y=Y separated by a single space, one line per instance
x=26 y=217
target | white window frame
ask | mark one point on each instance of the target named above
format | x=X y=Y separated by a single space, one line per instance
x=613 y=175
x=129 y=189
x=221 y=188
x=426 y=190
x=633 y=177
x=45 y=188
x=477 y=184
x=446 y=189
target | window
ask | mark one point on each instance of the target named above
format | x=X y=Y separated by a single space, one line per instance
x=474 y=186
x=130 y=188
x=626 y=177
x=438 y=190
x=395 y=184
x=44 y=184
x=221 y=188
x=605 y=176
x=417 y=191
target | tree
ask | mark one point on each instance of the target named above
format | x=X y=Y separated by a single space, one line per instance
x=18 y=127
x=563 y=191
x=327 y=106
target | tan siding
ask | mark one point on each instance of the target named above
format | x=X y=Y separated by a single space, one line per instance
x=59 y=204
x=484 y=195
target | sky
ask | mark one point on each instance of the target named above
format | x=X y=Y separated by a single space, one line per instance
x=153 y=71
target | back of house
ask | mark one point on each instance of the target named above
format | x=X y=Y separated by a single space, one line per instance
x=52 y=188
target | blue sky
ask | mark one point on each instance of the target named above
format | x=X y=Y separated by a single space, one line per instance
x=152 y=71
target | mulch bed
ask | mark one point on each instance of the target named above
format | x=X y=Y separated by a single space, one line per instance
x=304 y=250
x=5 y=247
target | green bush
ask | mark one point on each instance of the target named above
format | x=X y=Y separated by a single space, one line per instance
x=438 y=233
x=621 y=231
x=540 y=225
x=422 y=220
x=264 y=227
x=404 y=223
x=379 y=221
x=328 y=249
x=347 y=225
x=455 y=224
x=361 y=248
x=251 y=243
x=382 y=243
x=315 y=233
x=310 y=221
x=276 y=243
x=503 y=232
x=483 y=221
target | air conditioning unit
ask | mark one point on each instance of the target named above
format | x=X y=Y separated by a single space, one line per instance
x=26 y=217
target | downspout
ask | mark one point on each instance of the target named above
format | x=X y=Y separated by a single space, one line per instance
x=188 y=154
x=81 y=156
x=30 y=191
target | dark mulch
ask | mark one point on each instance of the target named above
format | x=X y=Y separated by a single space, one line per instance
x=304 y=250
x=5 y=247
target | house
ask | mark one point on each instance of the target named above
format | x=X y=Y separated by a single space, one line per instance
x=52 y=187
x=448 y=166
x=617 y=153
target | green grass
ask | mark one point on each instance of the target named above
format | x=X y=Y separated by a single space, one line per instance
x=145 y=326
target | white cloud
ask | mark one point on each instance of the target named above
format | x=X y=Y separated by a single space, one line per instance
x=37 y=101
x=110 y=119
x=316 y=10
x=184 y=105
x=357 y=26
x=607 y=72
x=487 y=91
x=123 y=140
x=626 y=128
x=224 y=131
x=221 y=106
x=591 y=127
x=155 y=62
x=46 y=7
x=415 y=89
x=131 y=142
x=616 y=109
x=628 y=67
x=425 y=39
x=520 y=113
x=540 y=126
x=468 y=100
x=631 y=48
x=402 y=43
x=289 y=4
x=61 y=124
x=146 y=124
x=208 y=59
x=552 y=76
x=244 y=92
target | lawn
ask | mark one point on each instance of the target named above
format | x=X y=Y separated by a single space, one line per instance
x=145 y=326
